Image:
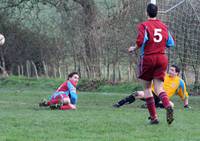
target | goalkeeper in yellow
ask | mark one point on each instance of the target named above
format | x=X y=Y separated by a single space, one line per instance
x=173 y=84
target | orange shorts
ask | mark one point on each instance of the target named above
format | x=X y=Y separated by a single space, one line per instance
x=153 y=67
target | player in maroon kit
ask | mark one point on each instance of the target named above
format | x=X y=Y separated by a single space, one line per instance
x=65 y=97
x=153 y=38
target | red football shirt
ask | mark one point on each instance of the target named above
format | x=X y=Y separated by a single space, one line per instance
x=64 y=86
x=152 y=37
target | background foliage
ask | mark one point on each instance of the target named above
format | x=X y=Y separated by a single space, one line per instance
x=50 y=38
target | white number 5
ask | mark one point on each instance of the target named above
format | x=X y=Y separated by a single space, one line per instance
x=157 y=33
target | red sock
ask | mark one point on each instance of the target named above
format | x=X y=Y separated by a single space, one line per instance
x=165 y=100
x=54 y=101
x=49 y=103
x=151 y=107
x=68 y=107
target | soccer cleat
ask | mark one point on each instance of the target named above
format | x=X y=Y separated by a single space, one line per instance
x=116 y=105
x=153 y=121
x=55 y=106
x=127 y=100
x=43 y=103
x=170 y=115
x=187 y=107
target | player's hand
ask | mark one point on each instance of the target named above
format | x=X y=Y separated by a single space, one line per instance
x=131 y=49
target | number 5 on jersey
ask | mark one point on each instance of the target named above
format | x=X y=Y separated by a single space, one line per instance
x=157 y=35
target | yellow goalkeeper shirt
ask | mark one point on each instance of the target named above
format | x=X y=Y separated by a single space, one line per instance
x=173 y=85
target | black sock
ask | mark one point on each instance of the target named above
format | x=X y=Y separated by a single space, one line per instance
x=129 y=99
x=143 y=99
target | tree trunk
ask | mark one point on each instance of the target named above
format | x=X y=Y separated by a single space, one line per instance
x=74 y=56
x=3 y=67
x=35 y=69
x=108 y=71
x=59 y=72
x=55 y=71
x=119 y=72
x=196 y=77
x=4 y=72
x=114 y=74
x=22 y=70
x=28 y=69
x=92 y=55
x=45 y=69
x=18 y=70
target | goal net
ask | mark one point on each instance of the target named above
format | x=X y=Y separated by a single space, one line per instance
x=183 y=20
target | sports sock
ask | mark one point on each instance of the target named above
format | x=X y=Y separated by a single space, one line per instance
x=49 y=103
x=130 y=99
x=151 y=107
x=143 y=99
x=53 y=101
x=68 y=107
x=165 y=100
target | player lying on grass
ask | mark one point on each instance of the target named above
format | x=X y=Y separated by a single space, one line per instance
x=172 y=84
x=65 y=97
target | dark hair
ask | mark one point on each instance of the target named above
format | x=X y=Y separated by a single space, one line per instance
x=177 y=69
x=152 y=10
x=71 y=74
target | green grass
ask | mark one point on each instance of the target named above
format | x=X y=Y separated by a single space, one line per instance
x=95 y=120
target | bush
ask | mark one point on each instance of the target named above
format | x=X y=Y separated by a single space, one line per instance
x=83 y=85
x=90 y=85
x=194 y=89
x=107 y=86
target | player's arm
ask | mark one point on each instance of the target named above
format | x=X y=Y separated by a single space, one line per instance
x=142 y=38
x=72 y=91
x=170 y=41
x=182 y=92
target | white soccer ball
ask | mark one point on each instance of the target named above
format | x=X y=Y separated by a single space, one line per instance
x=2 y=39
x=172 y=104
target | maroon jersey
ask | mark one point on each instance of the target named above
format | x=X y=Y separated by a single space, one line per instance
x=62 y=87
x=152 y=37
x=65 y=86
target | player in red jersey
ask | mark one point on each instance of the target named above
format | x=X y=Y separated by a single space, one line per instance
x=153 y=38
x=65 y=97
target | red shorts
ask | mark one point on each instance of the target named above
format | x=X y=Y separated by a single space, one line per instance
x=59 y=97
x=153 y=66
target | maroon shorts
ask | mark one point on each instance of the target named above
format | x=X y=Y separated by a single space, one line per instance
x=59 y=97
x=153 y=66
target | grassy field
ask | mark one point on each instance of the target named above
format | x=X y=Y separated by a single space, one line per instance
x=95 y=120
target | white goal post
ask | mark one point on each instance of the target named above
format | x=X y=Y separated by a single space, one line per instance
x=153 y=1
